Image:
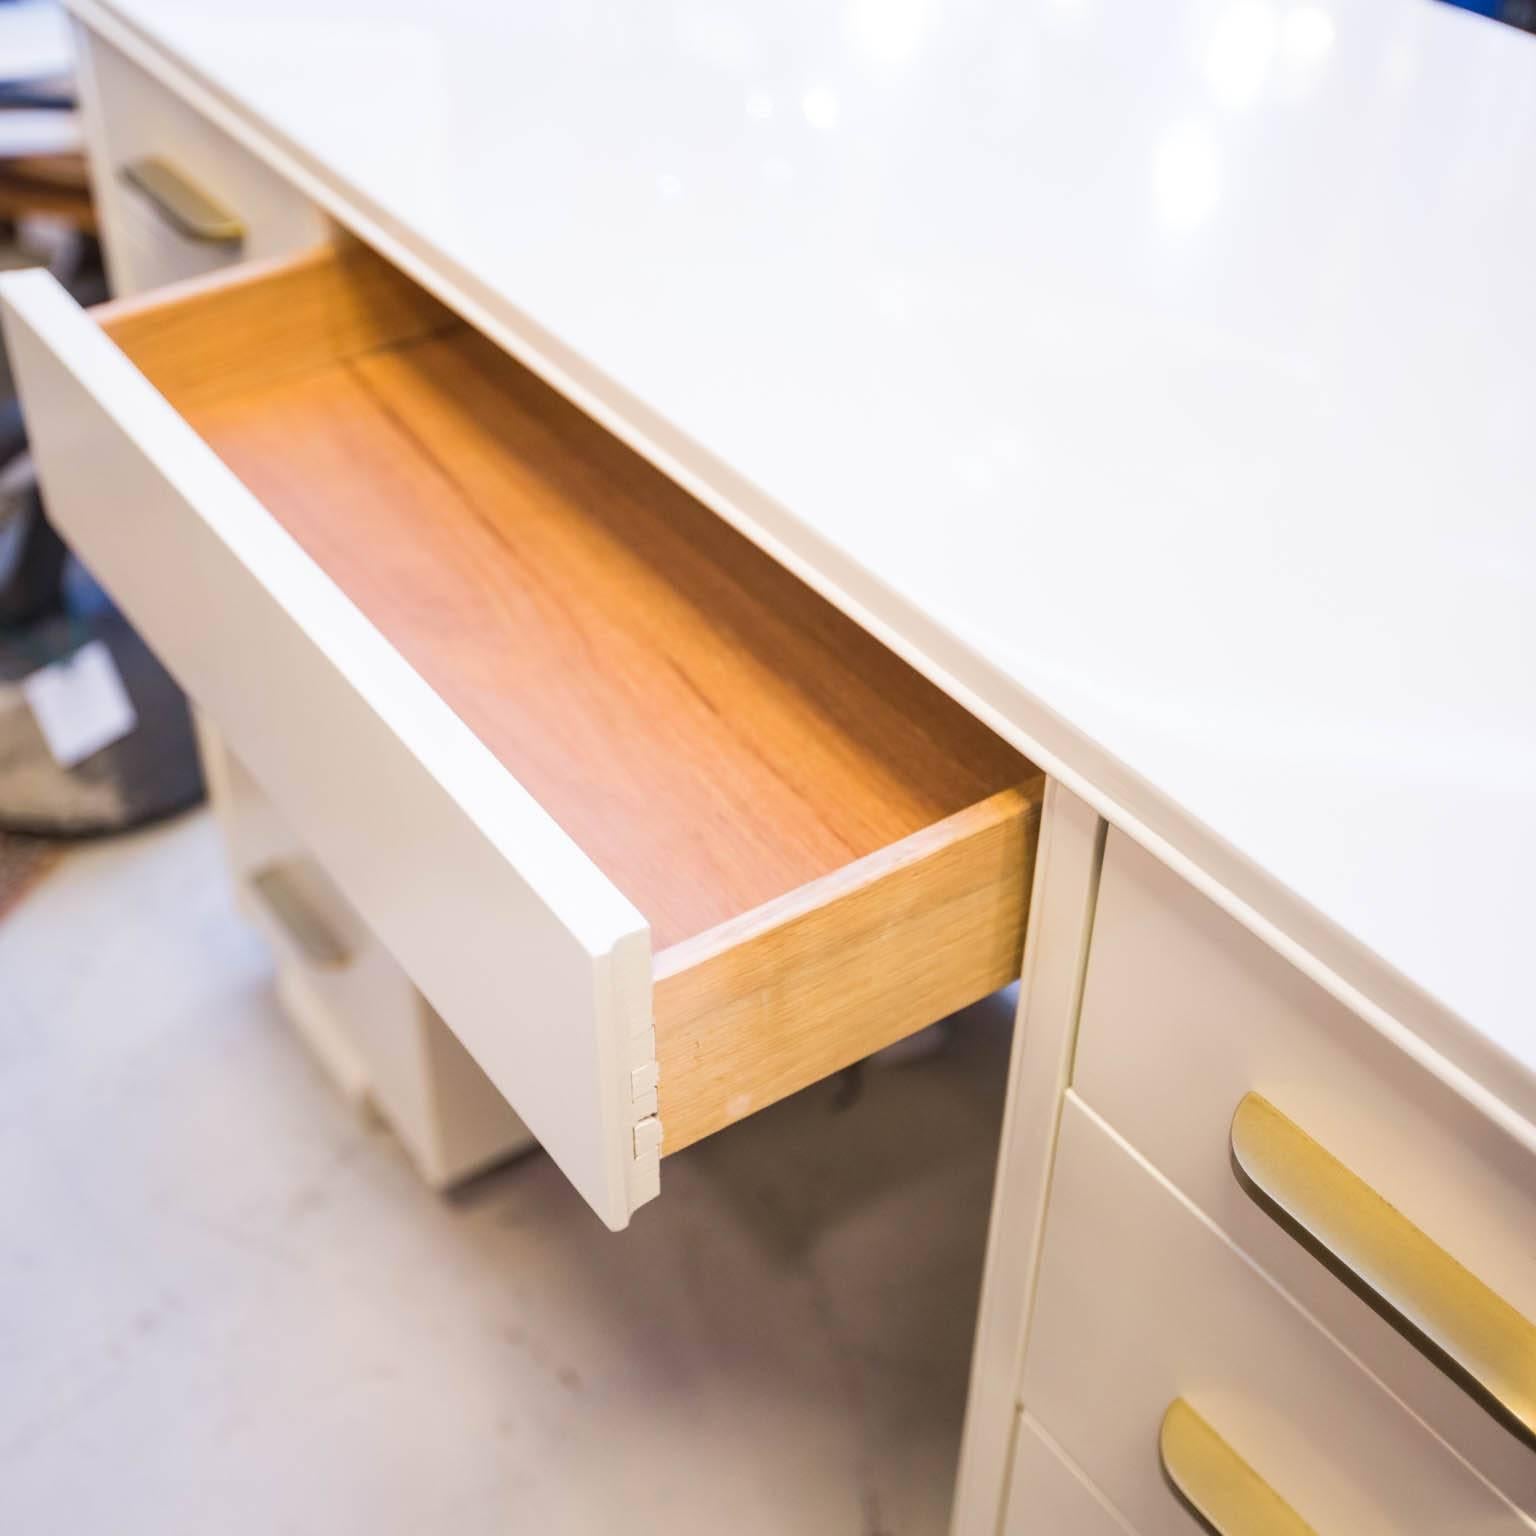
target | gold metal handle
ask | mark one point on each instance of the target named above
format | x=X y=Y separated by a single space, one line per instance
x=1439 y=1305
x=281 y=889
x=1220 y=1488
x=184 y=205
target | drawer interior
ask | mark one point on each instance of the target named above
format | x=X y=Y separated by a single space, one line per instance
x=761 y=778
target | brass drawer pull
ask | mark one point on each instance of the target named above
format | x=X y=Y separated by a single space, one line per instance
x=1439 y=1305
x=282 y=892
x=182 y=203
x=1227 y=1495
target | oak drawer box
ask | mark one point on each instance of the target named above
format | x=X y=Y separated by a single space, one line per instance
x=1143 y=1305
x=578 y=753
x=1186 y=1015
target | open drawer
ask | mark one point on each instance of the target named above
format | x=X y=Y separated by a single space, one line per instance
x=583 y=757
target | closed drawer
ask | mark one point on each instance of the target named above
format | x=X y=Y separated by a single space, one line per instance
x=651 y=825
x=1185 y=1013
x=133 y=122
x=380 y=1041
x=374 y=1032
x=1048 y=1497
x=1142 y=1303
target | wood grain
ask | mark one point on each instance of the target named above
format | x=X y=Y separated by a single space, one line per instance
x=781 y=997
x=711 y=732
x=243 y=329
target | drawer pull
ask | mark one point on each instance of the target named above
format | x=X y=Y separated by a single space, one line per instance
x=295 y=912
x=1229 y=1497
x=1439 y=1305
x=183 y=204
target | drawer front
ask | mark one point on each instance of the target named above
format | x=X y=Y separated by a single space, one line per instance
x=1142 y=1303
x=1178 y=994
x=130 y=117
x=1048 y=1497
x=530 y=954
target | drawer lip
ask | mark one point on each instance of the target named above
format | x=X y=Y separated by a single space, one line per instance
x=92 y=416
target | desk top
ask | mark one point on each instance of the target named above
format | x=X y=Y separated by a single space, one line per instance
x=1158 y=378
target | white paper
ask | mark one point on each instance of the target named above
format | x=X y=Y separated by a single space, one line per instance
x=34 y=40
x=80 y=704
x=28 y=131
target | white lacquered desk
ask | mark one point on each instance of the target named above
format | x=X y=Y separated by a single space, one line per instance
x=1132 y=381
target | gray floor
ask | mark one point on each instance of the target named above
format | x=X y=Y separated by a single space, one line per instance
x=226 y=1306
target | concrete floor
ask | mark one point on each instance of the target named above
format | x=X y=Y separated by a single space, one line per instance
x=227 y=1306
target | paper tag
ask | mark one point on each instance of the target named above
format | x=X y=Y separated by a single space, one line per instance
x=80 y=704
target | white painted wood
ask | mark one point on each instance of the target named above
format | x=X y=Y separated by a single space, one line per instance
x=369 y=1028
x=1213 y=651
x=1061 y=912
x=1049 y=1496
x=378 y=1039
x=315 y=1021
x=466 y=1126
x=128 y=114
x=1141 y=1301
x=382 y=1040
x=530 y=954
x=1184 y=1012
x=254 y=832
x=254 y=836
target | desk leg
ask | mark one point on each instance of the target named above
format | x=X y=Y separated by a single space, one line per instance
x=1067 y=864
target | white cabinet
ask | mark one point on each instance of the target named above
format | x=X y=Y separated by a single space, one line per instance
x=1185 y=1013
x=1142 y=1256
x=1143 y=1303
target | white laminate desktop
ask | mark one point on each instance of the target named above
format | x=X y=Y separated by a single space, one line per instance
x=1155 y=377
